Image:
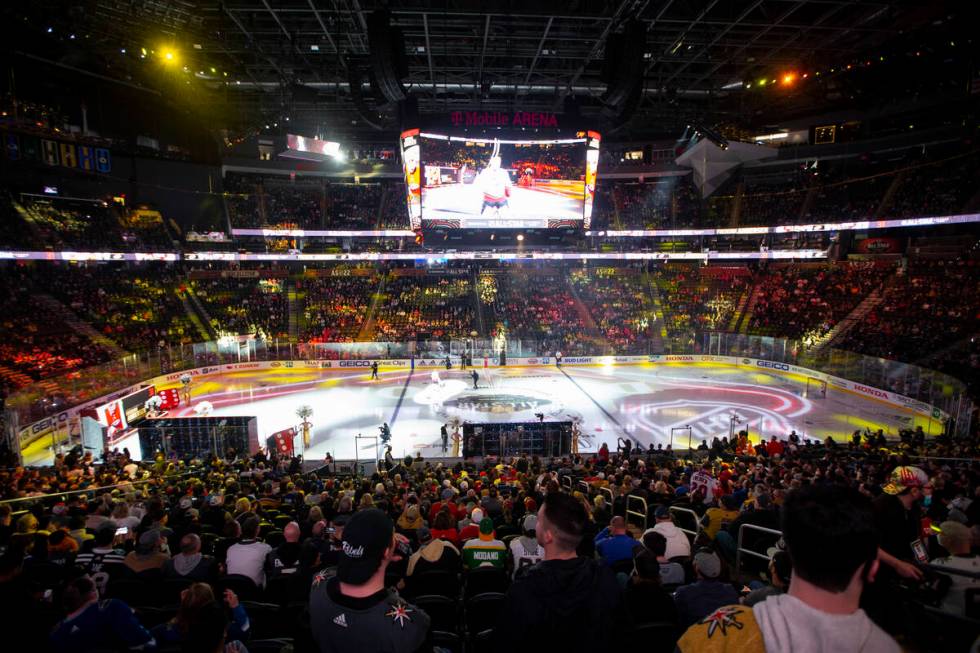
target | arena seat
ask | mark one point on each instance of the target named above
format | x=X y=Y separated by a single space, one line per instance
x=170 y=589
x=483 y=580
x=442 y=610
x=267 y=620
x=268 y=645
x=274 y=538
x=653 y=637
x=448 y=641
x=153 y=616
x=433 y=583
x=130 y=590
x=240 y=585
x=482 y=611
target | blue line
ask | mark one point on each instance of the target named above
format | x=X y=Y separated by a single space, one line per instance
x=401 y=397
x=599 y=406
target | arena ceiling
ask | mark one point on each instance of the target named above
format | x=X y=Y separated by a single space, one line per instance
x=276 y=57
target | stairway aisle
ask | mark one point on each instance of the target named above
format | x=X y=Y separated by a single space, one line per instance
x=659 y=330
x=366 y=334
x=295 y=307
x=80 y=326
x=203 y=331
x=740 y=309
x=842 y=328
x=746 y=319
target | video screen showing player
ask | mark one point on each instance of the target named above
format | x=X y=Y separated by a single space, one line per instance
x=502 y=184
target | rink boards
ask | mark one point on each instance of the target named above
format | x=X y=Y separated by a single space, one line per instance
x=646 y=398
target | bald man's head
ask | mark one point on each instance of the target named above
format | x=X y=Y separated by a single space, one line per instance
x=291 y=532
x=617 y=525
x=190 y=544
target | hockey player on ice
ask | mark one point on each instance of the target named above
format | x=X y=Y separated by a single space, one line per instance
x=494 y=183
x=435 y=378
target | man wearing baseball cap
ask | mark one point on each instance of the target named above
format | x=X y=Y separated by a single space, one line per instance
x=354 y=611
x=707 y=593
x=525 y=550
x=898 y=520
x=485 y=550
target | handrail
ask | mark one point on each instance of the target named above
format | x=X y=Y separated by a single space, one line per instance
x=739 y=550
x=562 y=479
x=587 y=488
x=643 y=502
x=612 y=497
x=943 y=569
x=697 y=521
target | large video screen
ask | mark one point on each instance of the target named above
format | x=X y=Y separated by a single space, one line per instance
x=504 y=184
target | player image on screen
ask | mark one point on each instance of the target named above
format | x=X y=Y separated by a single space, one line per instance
x=494 y=186
x=495 y=183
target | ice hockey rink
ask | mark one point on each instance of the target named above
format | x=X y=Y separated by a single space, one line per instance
x=645 y=402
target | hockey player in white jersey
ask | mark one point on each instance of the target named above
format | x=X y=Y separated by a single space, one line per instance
x=494 y=183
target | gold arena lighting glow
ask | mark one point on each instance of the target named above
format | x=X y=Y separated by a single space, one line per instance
x=789 y=78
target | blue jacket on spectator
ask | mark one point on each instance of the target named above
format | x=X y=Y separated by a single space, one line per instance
x=613 y=548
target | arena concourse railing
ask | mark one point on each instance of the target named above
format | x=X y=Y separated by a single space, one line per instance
x=53 y=397
x=677 y=513
x=741 y=551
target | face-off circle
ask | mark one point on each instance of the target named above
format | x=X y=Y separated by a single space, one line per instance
x=763 y=411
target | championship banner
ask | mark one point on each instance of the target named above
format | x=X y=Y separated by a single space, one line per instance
x=282 y=442
x=170 y=398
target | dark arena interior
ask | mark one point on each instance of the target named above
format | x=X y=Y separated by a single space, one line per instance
x=363 y=326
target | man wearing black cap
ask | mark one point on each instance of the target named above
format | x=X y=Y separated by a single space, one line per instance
x=353 y=611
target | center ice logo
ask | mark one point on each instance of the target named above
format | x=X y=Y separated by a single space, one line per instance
x=497 y=403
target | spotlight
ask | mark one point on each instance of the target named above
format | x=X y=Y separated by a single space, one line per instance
x=789 y=78
x=520 y=237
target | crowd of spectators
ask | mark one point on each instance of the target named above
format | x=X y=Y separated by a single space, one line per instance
x=442 y=307
x=659 y=203
x=620 y=304
x=305 y=203
x=931 y=292
x=353 y=206
x=136 y=307
x=693 y=299
x=240 y=306
x=39 y=344
x=941 y=188
x=394 y=210
x=59 y=223
x=797 y=301
x=62 y=223
x=540 y=306
x=938 y=182
x=423 y=557
x=336 y=307
x=771 y=201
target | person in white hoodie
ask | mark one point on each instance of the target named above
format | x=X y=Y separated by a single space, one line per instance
x=678 y=546
x=831 y=540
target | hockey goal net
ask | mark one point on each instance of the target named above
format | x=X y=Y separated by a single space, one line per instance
x=815 y=389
